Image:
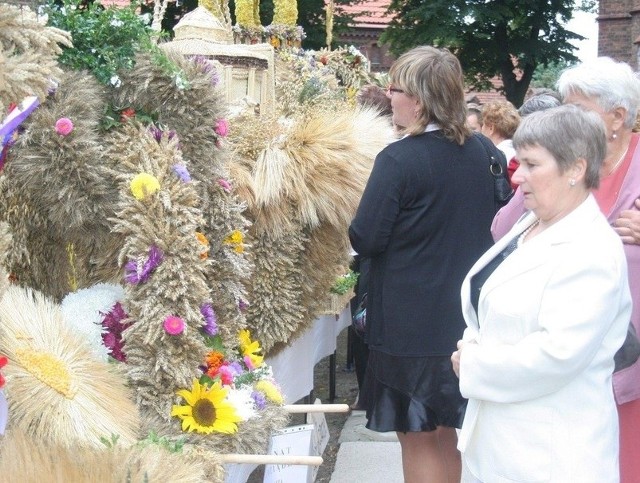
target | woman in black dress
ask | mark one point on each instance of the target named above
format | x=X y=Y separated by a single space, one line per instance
x=423 y=221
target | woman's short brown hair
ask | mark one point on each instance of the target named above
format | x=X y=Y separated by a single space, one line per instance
x=434 y=77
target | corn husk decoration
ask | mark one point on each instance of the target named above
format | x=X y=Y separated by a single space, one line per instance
x=193 y=114
x=28 y=55
x=302 y=193
x=160 y=363
x=80 y=400
x=59 y=191
x=25 y=458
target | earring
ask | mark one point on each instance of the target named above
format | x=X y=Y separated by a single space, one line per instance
x=614 y=136
x=572 y=182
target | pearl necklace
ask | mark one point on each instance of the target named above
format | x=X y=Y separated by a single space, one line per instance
x=527 y=231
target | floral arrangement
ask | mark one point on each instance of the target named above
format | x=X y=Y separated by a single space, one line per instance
x=345 y=282
x=234 y=387
x=106 y=40
x=283 y=35
x=248 y=34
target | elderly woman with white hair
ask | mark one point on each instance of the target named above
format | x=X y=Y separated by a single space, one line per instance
x=546 y=308
x=612 y=90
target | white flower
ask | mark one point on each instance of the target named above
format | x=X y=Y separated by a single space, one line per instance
x=242 y=402
x=116 y=23
x=146 y=18
x=115 y=81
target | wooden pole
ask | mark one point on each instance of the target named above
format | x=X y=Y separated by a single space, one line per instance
x=316 y=408
x=269 y=459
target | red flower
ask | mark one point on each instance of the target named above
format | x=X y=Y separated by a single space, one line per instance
x=128 y=113
x=3 y=362
x=324 y=60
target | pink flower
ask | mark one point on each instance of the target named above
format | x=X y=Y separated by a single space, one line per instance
x=222 y=127
x=173 y=325
x=249 y=363
x=225 y=184
x=64 y=126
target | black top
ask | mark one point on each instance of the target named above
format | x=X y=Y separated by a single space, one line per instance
x=480 y=278
x=424 y=219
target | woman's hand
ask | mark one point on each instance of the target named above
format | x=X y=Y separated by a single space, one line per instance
x=455 y=357
x=628 y=225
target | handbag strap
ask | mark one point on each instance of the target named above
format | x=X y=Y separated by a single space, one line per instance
x=496 y=167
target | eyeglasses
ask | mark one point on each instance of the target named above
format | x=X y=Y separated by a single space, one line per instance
x=391 y=90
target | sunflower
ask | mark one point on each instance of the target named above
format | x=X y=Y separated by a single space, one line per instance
x=206 y=410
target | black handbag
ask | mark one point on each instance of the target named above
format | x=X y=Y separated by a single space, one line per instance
x=359 y=319
x=629 y=353
x=502 y=189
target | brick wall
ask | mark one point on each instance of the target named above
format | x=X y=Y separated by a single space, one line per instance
x=619 y=29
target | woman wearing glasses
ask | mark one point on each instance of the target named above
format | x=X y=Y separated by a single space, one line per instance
x=423 y=221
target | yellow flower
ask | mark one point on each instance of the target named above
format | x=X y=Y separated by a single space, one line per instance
x=206 y=410
x=270 y=390
x=250 y=349
x=235 y=238
x=143 y=185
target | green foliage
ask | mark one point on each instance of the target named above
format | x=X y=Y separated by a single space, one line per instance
x=110 y=443
x=104 y=40
x=170 y=445
x=487 y=35
x=344 y=283
x=547 y=75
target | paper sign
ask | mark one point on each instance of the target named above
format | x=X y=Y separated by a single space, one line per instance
x=292 y=441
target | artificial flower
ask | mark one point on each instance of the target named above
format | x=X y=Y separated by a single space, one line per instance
x=214 y=360
x=242 y=305
x=211 y=326
x=250 y=348
x=182 y=172
x=241 y=400
x=222 y=128
x=207 y=410
x=204 y=242
x=173 y=325
x=143 y=185
x=224 y=184
x=270 y=390
x=3 y=362
x=112 y=324
x=136 y=271
x=226 y=374
x=127 y=114
x=64 y=126
x=259 y=399
x=235 y=239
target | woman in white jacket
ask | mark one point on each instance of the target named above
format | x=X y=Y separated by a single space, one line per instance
x=546 y=309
